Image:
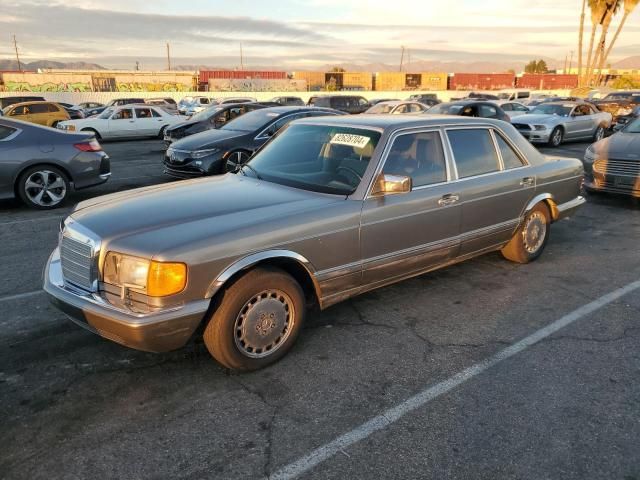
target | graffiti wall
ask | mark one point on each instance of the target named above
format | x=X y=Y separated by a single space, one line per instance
x=39 y=82
x=256 y=85
x=152 y=87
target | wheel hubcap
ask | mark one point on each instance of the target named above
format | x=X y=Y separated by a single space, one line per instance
x=45 y=188
x=235 y=161
x=599 y=133
x=534 y=232
x=264 y=324
x=557 y=137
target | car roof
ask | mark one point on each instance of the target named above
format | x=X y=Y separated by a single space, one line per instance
x=572 y=103
x=35 y=102
x=395 y=122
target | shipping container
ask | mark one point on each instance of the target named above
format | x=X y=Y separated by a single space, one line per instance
x=390 y=81
x=482 y=81
x=357 y=81
x=547 y=81
x=315 y=80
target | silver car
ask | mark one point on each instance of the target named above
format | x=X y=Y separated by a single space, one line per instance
x=556 y=122
x=329 y=208
x=396 y=107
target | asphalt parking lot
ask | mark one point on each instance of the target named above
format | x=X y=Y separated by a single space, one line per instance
x=370 y=390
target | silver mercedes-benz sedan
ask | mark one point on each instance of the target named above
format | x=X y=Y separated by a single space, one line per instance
x=329 y=208
x=556 y=122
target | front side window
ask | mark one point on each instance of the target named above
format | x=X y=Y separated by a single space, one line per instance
x=509 y=157
x=124 y=114
x=319 y=158
x=419 y=156
x=20 y=111
x=473 y=151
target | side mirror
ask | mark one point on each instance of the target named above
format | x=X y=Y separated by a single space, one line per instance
x=387 y=184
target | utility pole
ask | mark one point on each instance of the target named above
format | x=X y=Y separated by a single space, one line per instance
x=401 y=57
x=570 y=61
x=408 y=58
x=241 y=58
x=168 y=57
x=15 y=45
x=564 y=70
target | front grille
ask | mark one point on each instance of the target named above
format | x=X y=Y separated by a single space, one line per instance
x=629 y=168
x=77 y=262
x=522 y=126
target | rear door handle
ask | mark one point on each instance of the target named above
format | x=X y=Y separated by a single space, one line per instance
x=527 y=182
x=448 y=199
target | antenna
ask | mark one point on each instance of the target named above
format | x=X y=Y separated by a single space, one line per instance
x=15 y=45
x=168 y=57
x=241 y=58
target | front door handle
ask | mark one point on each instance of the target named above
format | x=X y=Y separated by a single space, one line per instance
x=527 y=182
x=448 y=199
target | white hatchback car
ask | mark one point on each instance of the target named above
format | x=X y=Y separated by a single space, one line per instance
x=127 y=121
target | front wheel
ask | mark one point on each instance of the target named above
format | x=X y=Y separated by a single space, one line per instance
x=43 y=187
x=598 y=134
x=531 y=237
x=257 y=320
x=161 y=132
x=235 y=160
x=557 y=135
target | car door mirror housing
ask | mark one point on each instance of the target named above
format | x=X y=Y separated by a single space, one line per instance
x=387 y=184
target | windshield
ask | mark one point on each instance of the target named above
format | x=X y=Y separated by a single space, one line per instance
x=446 y=109
x=252 y=121
x=560 y=110
x=381 y=108
x=632 y=127
x=205 y=114
x=107 y=113
x=319 y=158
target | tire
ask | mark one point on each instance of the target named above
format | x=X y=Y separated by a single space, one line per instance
x=161 y=132
x=598 y=134
x=234 y=159
x=256 y=321
x=95 y=132
x=43 y=187
x=556 y=137
x=55 y=124
x=531 y=237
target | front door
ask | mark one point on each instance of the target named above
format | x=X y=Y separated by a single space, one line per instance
x=494 y=184
x=408 y=233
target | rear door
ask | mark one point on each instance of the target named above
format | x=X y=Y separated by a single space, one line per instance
x=146 y=124
x=408 y=233
x=494 y=184
x=122 y=123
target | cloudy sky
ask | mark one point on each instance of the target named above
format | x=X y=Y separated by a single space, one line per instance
x=300 y=34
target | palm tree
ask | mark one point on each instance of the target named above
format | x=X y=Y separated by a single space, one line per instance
x=580 y=35
x=629 y=7
x=611 y=7
x=598 y=8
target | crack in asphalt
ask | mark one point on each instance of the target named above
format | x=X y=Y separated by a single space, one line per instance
x=626 y=334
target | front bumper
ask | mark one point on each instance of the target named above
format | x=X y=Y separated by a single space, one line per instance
x=154 y=331
x=536 y=136
x=613 y=184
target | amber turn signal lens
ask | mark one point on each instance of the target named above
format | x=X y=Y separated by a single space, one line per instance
x=166 y=279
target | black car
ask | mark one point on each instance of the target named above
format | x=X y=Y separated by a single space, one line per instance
x=229 y=147
x=623 y=120
x=619 y=104
x=75 y=112
x=345 y=103
x=470 y=108
x=209 y=119
x=429 y=99
x=8 y=101
x=288 y=101
x=44 y=178
x=116 y=102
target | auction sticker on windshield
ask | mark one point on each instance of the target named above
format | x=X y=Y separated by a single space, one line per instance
x=357 y=141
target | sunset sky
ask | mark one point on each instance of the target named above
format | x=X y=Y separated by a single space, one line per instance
x=296 y=33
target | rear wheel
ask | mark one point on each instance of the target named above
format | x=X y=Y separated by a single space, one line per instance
x=531 y=237
x=91 y=130
x=557 y=135
x=43 y=187
x=257 y=320
x=161 y=133
x=598 y=134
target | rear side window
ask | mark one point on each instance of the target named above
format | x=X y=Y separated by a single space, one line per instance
x=473 y=151
x=52 y=108
x=509 y=157
x=6 y=132
x=487 y=111
x=155 y=113
x=143 y=113
x=40 y=108
x=419 y=156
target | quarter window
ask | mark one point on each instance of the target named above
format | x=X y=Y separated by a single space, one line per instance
x=419 y=156
x=473 y=151
x=6 y=132
x=509 y=157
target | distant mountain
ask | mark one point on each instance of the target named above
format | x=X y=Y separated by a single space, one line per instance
x=13 y=65
x=629 y=62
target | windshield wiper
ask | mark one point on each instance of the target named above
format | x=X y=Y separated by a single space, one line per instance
x=250 y=168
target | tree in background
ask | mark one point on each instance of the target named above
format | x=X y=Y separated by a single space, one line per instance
x=628 y=7
x=536 y=66
x=580 y=35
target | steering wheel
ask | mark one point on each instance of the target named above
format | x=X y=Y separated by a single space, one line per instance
x=351 y=171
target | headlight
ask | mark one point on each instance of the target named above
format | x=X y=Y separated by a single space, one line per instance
x=539 y=127
x=156 y=279
x=203 y=153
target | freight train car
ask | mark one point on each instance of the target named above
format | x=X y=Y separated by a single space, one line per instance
x=482 y=81
x=205 y=75
x=547 y=81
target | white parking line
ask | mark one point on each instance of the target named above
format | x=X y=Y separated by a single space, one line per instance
x=21 y=295
x=390 y=416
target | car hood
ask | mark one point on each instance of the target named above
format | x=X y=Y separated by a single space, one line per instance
x=620 y=145
x=167 y=217
x=184 y=125
x=205 y=139
x=531 y=118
